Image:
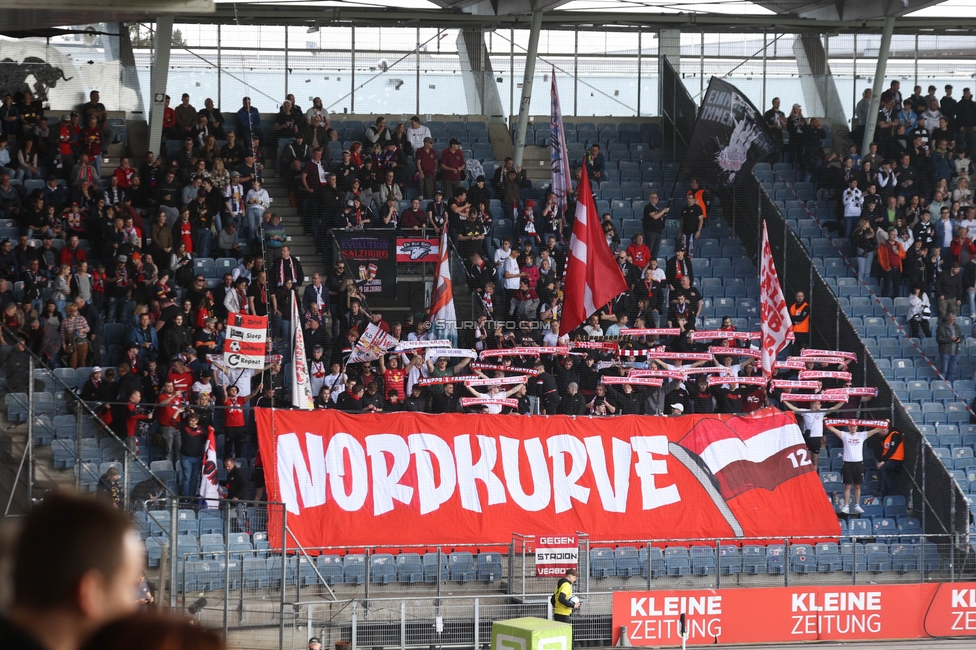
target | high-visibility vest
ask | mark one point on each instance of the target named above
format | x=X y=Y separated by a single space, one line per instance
x=802 y=327
x=900 y=452
x=699 y=195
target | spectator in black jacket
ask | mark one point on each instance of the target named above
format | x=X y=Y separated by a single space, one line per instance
x=573 y=403
x=948 y=290
x=446 y=401
x=236 y=483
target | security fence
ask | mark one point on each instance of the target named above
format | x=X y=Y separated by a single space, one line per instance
x=417 y=619
x=221 y=563
x=66 y=442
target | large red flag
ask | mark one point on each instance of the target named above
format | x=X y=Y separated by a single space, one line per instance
x=592 y=275
x=774 y=314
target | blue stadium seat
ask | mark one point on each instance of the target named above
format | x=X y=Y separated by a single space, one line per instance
x=753 y=560
x=410 y=568
x=382 y=569
x=677 y=561
x=776 y=559
x=602 y=563
x=489 y=567
x=703 y=560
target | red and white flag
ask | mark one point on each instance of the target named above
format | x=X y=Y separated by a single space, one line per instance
x=749 y=453
x=301 y=384
x=592 y=275
x=208 y=472
x=774 y=313
x=443 y=318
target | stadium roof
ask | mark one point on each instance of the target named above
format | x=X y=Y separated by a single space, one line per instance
x=715 y=15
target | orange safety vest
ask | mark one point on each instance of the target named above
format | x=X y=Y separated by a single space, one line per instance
x=900 y=452
x=802 y=327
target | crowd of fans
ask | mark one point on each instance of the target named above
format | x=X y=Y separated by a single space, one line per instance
x=147 y=228
x=906 y=205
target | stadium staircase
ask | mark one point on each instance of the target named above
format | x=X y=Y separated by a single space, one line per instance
x=939 y=409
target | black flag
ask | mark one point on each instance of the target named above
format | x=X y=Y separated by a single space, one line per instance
x=730 y=137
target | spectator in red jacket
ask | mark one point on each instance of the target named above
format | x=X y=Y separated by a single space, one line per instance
x=639 y=253
x=133 y=414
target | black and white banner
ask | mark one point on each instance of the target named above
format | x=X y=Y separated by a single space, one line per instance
x=730 y=137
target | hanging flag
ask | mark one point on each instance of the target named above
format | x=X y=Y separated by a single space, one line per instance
x=730 y=137
x=301 y=384
x=592 y=275
x=562 y=182
x=208 y=474
x=442 y=315
x=372 y=345
x=774 y=314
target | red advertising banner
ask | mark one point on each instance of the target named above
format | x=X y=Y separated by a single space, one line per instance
x=788 y=614
x=414 y=478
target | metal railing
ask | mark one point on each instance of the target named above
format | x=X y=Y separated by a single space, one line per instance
x=413 y=620
x=43 y=428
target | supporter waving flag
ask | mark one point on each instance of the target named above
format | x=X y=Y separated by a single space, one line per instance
x=774 y=314
x=592 y=275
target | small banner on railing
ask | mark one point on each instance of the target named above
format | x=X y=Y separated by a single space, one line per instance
x=554 y=554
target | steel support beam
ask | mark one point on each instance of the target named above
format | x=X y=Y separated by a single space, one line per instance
x=879 y=73
x=527 y=79
x=160 y=75
x=819 y=90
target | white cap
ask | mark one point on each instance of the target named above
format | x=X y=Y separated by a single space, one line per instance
x=678 y=407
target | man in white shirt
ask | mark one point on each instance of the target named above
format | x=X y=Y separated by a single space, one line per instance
x=416 y=133
x=932 y=115
x=336 y=380
x=852 y=471
x=813 y=418
x=318 y=109
x=511 y=275
x=494 y=392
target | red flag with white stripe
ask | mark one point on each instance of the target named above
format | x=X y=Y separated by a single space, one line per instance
x=592 y=275
x=775 y=324
x=208 y=472
x=753 y=453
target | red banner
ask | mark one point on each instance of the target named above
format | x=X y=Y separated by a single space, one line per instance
x=417 y=249
x=790 y=614
x=469 y=479
x=248 y=322
x=247 y=348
